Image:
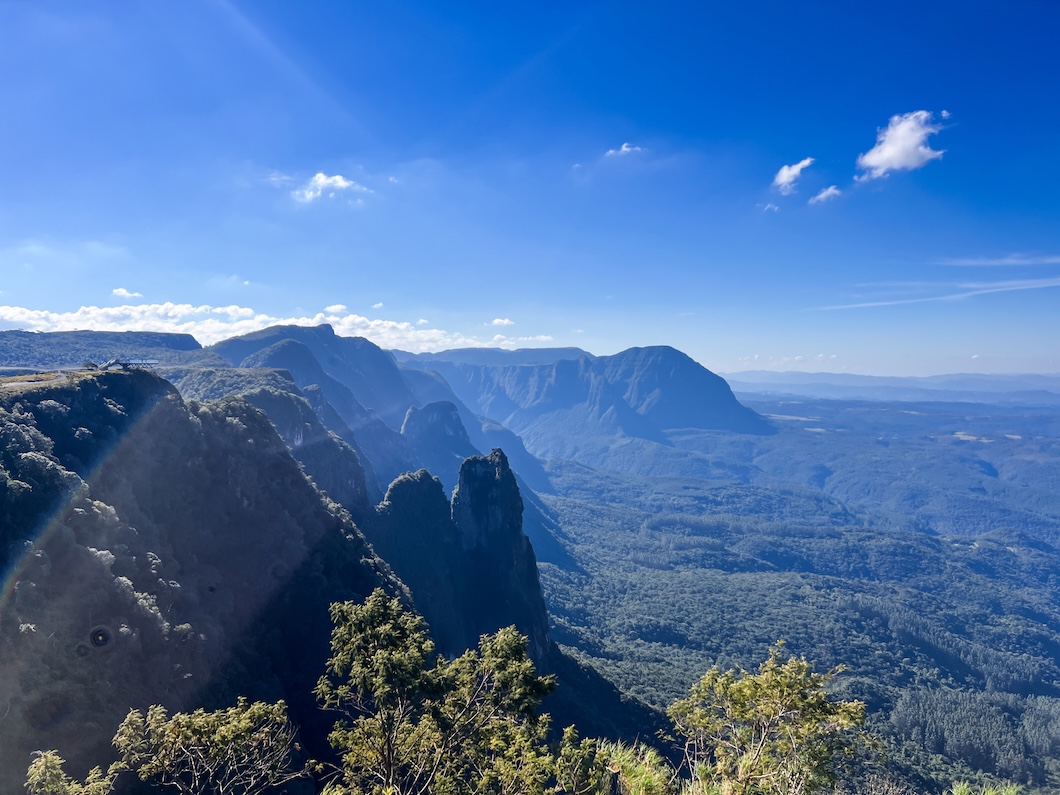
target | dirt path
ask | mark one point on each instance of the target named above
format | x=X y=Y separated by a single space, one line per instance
x=57 y=377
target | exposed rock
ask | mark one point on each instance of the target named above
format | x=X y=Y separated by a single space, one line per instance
x=438 y=439
x=412 y=530
x=501 y=566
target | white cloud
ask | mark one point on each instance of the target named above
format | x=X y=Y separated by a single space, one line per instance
x=502 y=321
x=422 y=321
x=321 y=183
x=902 y=146
x=210 y=324
x=626 y=149
x=334 y=309
x=121 y=292
x=945 y=114
x=786 y=178
x=502 y=341
x=830 y=192
x=377 y=305
x=769 y=207
x=1009 y=260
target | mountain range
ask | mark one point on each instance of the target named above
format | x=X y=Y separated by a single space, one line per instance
x=627 y=513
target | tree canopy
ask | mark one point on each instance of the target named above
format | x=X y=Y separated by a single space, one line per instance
x=774 y=732
x=411 y=724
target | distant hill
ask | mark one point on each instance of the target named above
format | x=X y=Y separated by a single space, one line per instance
x=1027 y=390
x=363 y=367
x=609 y=411
x=47 y=351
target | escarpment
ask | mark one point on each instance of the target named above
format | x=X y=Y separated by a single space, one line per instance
x=153 y=549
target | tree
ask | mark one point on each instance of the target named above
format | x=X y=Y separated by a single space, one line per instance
x=775 y=732
x=245 y=749
x=580 y=765
x=47 y=777
x=412 y=725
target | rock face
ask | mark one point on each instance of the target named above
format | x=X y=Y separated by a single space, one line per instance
x=671 y=390
x=438 y=439
x=413 y=531
x=333 y=400
x=488 y=512
x=156 y=552
x=470 y=567
x=336 y=467
x=639 y=393
x=363 y=367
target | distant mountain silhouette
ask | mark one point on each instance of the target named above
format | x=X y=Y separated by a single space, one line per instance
x=570 y=405
x=33 y=350
x=386 y=450
x=439 y=438
x=671 y=390
x=362 y=366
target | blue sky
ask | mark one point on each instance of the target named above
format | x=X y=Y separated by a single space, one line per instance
x=767 y=185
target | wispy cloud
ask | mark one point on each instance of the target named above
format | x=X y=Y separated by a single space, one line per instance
x=788 y=176
x=831 y=192
x=278 y=179
x=502 y=321
x=321 y=184
x=334 y=309
x=959 y=292
x=901 y=146
x=65 y=254
x=377 y=305
x=504 y=342
x=210 y=324
x=121 y=292
x=625 y=149
x=1009 y=260
x=769 y=207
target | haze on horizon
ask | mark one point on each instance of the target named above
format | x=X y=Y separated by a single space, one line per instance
x=771 y=187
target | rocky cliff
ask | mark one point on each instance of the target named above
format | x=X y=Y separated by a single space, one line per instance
x=468 y=564
x=156 y=551
x=362 y=366
x=438 y=437
x=500 y=562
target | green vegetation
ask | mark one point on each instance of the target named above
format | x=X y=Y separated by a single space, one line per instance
x=243 y=750
x=920 y=544
x=412 y=723
x=247 y=749
x=47 y=777
x=774 y=732
x=72 y=349
x=953 y=641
